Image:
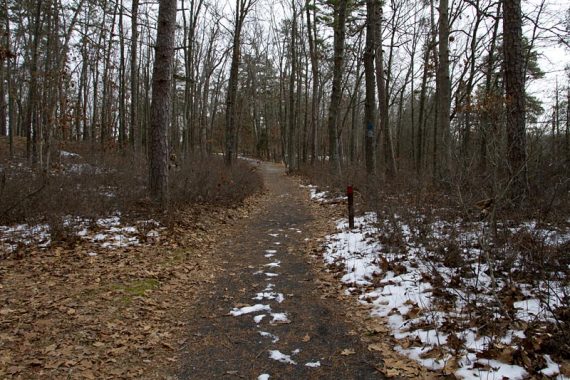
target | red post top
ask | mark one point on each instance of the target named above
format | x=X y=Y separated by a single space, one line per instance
x=349 y=190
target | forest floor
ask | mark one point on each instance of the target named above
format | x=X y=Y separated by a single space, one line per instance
x=234 y=292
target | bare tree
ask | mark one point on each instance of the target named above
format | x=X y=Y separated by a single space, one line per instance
x=242 y=9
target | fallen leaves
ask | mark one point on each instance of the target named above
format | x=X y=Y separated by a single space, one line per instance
x=67 y=311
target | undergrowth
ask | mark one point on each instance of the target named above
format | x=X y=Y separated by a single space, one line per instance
x=460 y=224
x=91 y=184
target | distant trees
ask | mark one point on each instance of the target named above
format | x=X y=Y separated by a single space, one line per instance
x=394 y=87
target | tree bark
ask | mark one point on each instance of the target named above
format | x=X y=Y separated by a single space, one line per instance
x=31 y=121
x=312 y=34
x=134 y=129
x=370 y=87
x=515 y=99
x=242 y=8
x=336 y=93
x=485 y=128
x=11 y=87
x=444 y=83
x=161 y=102
x=292 y=111
x=122 y=84
x=383 y=94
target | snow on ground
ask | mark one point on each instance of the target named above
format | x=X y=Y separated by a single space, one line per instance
x=279 y=318
x=110 y=232
x=274 y=338
x=236 y=312
x=320 y=196
x=280 y=357
x=258 y=318
x=270 y=294
x=67 y=154
x=433 y=310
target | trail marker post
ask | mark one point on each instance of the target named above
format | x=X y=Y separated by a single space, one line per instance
x=350 y=196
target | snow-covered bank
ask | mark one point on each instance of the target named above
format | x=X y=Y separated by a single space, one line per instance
x=111 y=232
x=454 y=302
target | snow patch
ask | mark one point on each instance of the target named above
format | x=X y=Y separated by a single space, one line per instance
x=236 y=312
x=280 y=357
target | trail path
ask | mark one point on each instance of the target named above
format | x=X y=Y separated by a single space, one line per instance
x=295 y=332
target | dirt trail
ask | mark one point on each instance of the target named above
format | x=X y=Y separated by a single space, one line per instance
x=264 y=254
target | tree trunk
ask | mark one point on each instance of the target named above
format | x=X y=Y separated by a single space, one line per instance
x=515 y=99
x=336 y=93
x=190 y=95
x=312 y=34
x=370 y=86
x=10 y=82
x=161 y=102
x=465 y=148
x=419 y=155
x=134 y=128
x=385 y=132
x=122 y=85
x=292 y=111
x=485 y=128
x=567 y=139
x=242 y=8
x=3 y=104
x=31 y=122
x=444 y=83
x=107 y=100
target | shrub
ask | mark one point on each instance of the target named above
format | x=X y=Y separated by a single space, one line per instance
x=93 y=184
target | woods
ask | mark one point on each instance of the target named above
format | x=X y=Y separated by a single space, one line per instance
x=294 y=82
x=151 y=150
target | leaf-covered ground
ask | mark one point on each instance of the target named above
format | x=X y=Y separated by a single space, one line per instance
x=105 y=312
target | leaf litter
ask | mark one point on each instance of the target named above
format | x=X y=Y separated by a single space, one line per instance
x=83 y=311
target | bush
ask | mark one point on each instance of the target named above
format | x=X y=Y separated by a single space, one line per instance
x=209 y=180
x=91 y=185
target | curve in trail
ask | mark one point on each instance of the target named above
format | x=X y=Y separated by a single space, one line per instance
x=265 y=317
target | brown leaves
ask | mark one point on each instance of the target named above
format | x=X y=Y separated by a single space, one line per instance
x=454 y=342
x=64 y=311
x=396 y=365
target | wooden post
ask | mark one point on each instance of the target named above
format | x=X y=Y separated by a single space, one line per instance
x=350 y=195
